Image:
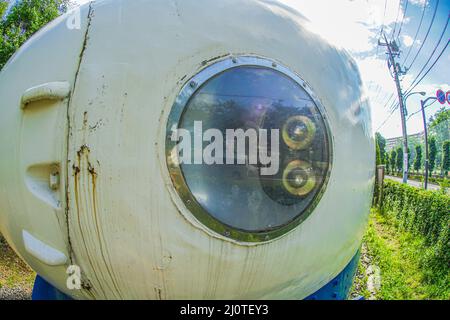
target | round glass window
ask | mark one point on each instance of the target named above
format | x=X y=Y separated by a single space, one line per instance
x=249 y=150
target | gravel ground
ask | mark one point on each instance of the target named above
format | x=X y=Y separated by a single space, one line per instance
x=15 y=294
x=16 y=278
x=361 y=286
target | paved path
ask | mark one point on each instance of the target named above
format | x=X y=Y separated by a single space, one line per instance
x=416 y=184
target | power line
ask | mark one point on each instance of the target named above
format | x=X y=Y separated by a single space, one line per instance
x=392 y=103
x=420 y=110
x=395 y=104
x=384 y=17
x=434 y=50
x=382 y=24
x=392 y=108
x=378 y=91
x=403 y=18
x=389 y=100
x=381 y=32
x=426 y=36
x=430 y=68
x=396 y=19
x=417 y=33
x=387 y=118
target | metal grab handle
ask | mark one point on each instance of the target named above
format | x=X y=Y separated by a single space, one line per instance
x=46 y=91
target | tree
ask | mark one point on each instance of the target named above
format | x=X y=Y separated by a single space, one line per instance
x=381 y=141
x=24 y=19
x=446 y=157
x=442 y=116
x=440 y=129
x=418 y=159
x=393 y=159
x=399 y=160
x=377 y=151
x=409 y=159
x=3 y=7
x=432 y=154
x=387 y=161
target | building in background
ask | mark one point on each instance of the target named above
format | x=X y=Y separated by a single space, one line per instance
x=392 y=143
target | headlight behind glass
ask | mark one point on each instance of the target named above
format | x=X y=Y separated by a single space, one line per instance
x=238 y=200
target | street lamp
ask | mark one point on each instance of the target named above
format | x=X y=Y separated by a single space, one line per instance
x=405 y=143
x=422 y=93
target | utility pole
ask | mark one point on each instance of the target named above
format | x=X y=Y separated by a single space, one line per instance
x=393 y=51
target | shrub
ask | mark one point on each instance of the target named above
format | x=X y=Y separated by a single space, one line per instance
x=24 y=19
x=399 y=160
x=424 y=213
x=378 y=154
x=446 y=157
x=418 y=160
x=432 y=154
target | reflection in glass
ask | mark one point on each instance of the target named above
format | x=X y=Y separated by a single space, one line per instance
x=238 y=195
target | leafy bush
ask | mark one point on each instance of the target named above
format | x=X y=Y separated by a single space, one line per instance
x=392 y=159
x=378 y=155
x=426 y=214
x=399 y=160
x=432 y=154
x=446 y=157
x=24 y=19
x=418 y=160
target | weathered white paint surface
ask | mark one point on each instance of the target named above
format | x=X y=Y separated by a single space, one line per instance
x=41 y=251
x=128 y=230
x=33 y=140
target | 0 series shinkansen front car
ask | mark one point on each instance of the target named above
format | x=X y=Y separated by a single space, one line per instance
x=184 y=150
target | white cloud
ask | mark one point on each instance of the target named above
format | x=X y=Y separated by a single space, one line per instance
x=348 y=24
x=407 y=40
x=355 y=26
x=418 y=2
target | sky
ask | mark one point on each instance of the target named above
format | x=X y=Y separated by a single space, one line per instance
x=356 y=24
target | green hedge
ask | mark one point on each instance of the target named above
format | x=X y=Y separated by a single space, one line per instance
x=424 y=213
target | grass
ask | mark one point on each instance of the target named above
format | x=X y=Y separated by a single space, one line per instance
x=14 y=273
x=398 y=255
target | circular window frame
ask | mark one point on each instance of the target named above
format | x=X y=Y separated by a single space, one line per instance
x=175 y=172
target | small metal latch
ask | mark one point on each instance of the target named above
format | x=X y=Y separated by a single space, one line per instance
x=54 y=179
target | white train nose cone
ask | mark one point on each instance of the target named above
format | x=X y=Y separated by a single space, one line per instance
x=88 y=176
